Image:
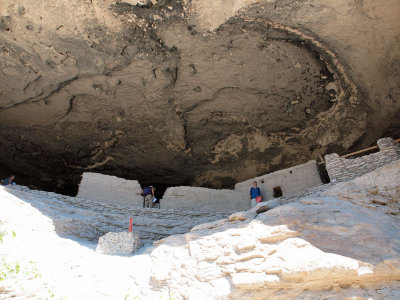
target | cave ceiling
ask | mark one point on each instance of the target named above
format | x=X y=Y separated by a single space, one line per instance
x=205 y=93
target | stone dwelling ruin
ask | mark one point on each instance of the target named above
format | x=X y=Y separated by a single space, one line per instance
x=207 y=93
x=289 y=182
x=344 y=169
x=110 y=189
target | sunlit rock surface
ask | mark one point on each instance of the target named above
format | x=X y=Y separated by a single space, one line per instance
x=341 y=241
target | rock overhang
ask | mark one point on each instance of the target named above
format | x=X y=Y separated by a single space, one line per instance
x=148 y=92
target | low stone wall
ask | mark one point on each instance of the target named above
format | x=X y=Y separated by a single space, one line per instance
x=204 y=199
x=344 y=169
x=110 y=189
x=292 y=181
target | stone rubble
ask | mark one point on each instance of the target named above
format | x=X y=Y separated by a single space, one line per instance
x=119 y=243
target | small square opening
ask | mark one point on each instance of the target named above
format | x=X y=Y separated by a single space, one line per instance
x=277 y=192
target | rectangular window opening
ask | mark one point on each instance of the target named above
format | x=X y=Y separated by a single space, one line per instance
x=277 y=192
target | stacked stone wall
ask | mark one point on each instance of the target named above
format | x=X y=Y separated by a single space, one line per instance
x=344 y=169
x=204 y=199
x=110 y=189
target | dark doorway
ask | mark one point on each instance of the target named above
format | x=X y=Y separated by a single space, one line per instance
x=323 y=173
x=277 y=192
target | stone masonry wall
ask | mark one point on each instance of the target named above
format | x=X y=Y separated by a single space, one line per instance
x=344 y=169
x=292 y=181
x=204 y=199
x=110 y=189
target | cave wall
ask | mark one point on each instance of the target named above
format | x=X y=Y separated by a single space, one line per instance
x=206 y=93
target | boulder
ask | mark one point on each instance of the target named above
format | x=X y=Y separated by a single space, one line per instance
x=265 y=206
x=242 y=216
x=118 y=243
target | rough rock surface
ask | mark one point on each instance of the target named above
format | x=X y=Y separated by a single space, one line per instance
x=191 y=92
x=119 y=243
x=88 y=219
x=242 y=216
x=341 y=242
x=264 y=206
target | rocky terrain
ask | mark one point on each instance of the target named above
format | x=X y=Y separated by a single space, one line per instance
x=340 y=242
x=197 y=92
x=88 y=219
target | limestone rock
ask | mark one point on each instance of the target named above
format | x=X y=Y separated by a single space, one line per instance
x=319 y=245
x=264 y=206
x=340 y=242
x=90 y=219
x=210 y=225
x=118 y=243
x=379 y=190
x=242 y=216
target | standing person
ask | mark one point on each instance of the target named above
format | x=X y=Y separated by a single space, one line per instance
x=254 y=193
x=8 y=180
x=148 y=193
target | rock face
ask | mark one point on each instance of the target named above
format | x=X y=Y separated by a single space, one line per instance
x=191 y=92
x=119 y=243
x=90 y=219
x=342 y=243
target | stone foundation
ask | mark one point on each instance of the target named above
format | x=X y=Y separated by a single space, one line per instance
x=344 y=169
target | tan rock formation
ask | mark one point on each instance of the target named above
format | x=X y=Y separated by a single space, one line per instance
x=191 y=92
x=340 y=244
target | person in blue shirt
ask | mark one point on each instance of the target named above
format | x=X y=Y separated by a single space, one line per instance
x=8 y=180
x=254 y=192
x=148 y=193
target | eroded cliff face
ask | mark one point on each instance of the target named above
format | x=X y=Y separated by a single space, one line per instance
x=191 y=92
